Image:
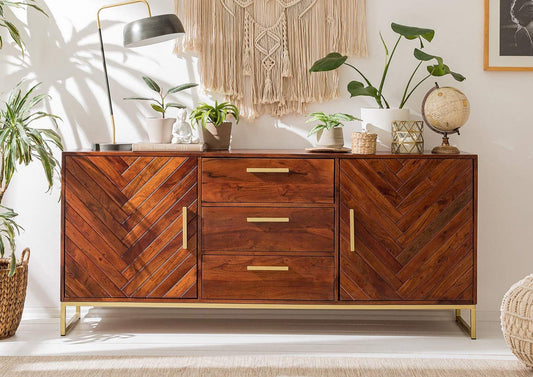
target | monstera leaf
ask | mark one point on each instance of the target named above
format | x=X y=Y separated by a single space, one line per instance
x=331 y=62
x=411 y=32
x=358 y=89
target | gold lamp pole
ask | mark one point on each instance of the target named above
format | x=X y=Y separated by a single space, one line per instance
x=138 y=33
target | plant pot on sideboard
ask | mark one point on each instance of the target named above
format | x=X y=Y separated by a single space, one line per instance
x=217 y=138
x=333 y=138
x=12 y=295
x=160 y=130
x=379 y=121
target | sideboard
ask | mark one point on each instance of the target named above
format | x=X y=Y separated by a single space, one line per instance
x=269 y=230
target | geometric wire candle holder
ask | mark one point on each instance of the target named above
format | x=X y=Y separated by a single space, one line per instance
x=407 y=137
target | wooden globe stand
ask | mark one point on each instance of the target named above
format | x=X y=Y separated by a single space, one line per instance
x=445 y=148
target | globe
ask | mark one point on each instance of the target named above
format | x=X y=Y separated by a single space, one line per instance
x=445 y=110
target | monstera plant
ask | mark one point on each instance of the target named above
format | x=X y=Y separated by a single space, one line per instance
x=435 y=68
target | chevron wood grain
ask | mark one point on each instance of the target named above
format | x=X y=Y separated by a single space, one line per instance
x=123 y=235
x=414 y=230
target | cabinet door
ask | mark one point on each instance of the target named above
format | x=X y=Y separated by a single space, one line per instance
x=124 y=227
x=407 y=230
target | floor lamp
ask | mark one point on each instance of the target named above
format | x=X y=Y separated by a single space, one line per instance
x=143 y=32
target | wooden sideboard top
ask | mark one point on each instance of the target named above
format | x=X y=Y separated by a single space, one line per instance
x=269 y=153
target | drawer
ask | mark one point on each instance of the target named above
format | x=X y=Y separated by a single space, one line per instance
x=268 y=229
x=229 y=277
x=258 y=180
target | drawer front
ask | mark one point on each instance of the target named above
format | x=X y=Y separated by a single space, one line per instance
x=228 y=277
x=257 y=180
x=268 y=229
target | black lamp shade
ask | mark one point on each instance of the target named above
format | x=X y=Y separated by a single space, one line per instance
x=152 y=30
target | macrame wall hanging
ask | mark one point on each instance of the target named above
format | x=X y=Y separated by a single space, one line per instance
x=258 y=52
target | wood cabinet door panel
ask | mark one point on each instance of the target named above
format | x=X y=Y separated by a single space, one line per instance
x=413 y=230
x=123 y=227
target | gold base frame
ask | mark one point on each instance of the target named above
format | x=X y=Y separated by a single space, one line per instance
x=470 y=329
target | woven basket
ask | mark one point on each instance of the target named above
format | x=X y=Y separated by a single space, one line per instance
x=364 y=143
x=12 y=294
x=517 y=320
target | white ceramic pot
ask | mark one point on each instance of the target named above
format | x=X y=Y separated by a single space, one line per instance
x=333 y=138
x=160 y=130
x=379 y=121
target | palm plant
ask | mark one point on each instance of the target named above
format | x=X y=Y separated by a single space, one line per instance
x=159 y=104
x=216 y=115
x=11 y=28
x=20 y=144
x=328 y=121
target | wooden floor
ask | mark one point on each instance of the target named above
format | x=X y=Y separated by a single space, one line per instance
x=157 y=332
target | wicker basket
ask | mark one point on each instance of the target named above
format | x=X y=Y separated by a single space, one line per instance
x=12 y=294
x=517 y=320
x=364 y=143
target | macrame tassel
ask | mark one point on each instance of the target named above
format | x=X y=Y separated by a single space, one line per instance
x=247 y=53
x=268 y=91
x=286 y=64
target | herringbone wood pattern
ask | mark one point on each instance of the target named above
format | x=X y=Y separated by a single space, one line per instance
x=123 y=227
x=413 y=230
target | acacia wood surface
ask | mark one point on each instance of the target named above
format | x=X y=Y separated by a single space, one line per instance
x=414 y=230
x=227 y=277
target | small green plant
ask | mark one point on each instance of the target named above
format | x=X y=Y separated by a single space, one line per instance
x=217 y=114
x=328 y=121
x=11 y=28
x=335 y=60
x=159 y=104
x=21 y=144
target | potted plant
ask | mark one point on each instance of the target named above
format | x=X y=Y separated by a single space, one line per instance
x=160 y=128
x=381 y=118
x=215 y=127
x=20 y=144
x=329 y=131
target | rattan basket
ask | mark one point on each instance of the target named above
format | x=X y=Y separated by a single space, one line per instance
x=12 y=294
x=364 y=143
x=517 y=320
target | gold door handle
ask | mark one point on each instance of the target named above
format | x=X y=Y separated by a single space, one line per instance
x=268 y=220
x=268 y=170
x=267 y=268
x=352 y=230
x=184 y=232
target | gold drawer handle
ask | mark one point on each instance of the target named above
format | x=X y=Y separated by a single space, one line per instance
x=352 y=230
x=267 y=268
x=268 y=170
x=268 y=220
x=184 y=232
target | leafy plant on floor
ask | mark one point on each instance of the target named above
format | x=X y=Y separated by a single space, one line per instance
x=216 y=114
x=20 y=144
x=14 y=32
x=159 y=104
x=356 y=88
x=328 y=121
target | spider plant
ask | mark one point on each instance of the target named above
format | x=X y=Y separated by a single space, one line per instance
x=328 y=121
x=216 y=115
x=20 y=144
x=159 y=104
x=11 y=28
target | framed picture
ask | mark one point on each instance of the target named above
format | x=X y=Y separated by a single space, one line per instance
x=508 y=35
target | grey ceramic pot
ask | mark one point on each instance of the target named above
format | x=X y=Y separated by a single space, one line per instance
x=217 y=138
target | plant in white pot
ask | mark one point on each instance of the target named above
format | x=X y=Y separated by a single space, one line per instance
x=379 y=120
x=20 y=144
x=329 y=131
x=160 y=128
x=216 y=128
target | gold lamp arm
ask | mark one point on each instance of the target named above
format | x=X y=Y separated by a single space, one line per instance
x=119 y=5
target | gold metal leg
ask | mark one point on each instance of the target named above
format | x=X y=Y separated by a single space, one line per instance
x=67 y=326
x=469 y=329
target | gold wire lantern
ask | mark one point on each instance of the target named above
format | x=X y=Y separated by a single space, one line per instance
x=407 y=137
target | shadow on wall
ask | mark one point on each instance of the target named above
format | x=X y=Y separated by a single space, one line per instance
x=75 y=64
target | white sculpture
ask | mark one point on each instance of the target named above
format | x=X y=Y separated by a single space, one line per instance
x=182 y=131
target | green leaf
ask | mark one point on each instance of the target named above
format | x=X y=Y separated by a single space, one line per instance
x=356 y=89
x=152 y=84
x=181 y=88
x=410 y=32
x=12 y=265
x=458 y=76
x=175 y=106
x=140 y=99
x=158 y=108
x=344 y=117
x=316 y=129
x=329 y=63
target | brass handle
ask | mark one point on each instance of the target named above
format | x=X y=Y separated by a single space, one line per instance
x=352 y=230
x=184 y=232
x=267 y=268
x=268 y=220
x=268 y=170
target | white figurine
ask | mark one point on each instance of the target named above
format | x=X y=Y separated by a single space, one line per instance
x=182 y=131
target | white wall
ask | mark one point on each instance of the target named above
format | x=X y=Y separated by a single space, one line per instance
x=64 y=55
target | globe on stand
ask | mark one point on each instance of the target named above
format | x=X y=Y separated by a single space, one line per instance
x=445 y=111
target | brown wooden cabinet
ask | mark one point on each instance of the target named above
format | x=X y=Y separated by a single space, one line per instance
x=269 y=229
